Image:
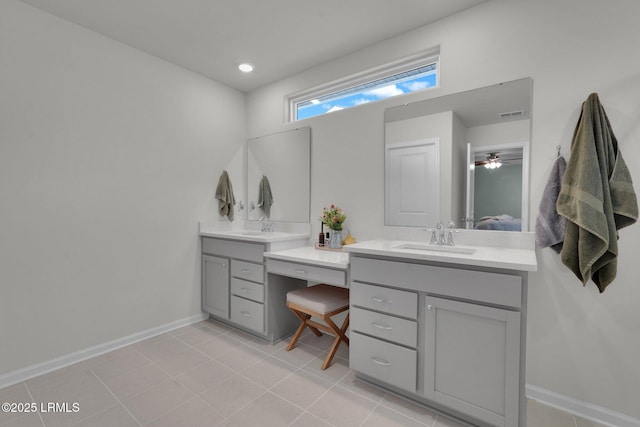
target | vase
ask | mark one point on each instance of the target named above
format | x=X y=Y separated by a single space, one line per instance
x=335 y=241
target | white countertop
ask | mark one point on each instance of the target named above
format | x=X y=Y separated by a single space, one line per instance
x=521 y=259
x=248 y=235
x=311 y=255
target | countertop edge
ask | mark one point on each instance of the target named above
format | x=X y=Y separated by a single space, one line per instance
x=310 y=261
x=525 y=266
x=255 y=238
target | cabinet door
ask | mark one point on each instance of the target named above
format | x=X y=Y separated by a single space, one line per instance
x=215 y=286
x=472 y=358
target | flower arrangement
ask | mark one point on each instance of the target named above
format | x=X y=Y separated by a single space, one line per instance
x=333 y=217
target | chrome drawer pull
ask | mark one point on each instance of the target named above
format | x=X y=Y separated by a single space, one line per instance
x=245 y=271
x=245 y=290
x=245 y=313
x=301 y=271
x=380 y=362
x=380 y=326
x=381 y=300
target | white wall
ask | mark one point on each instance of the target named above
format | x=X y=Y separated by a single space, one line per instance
x=108 y=159
x=580 y=344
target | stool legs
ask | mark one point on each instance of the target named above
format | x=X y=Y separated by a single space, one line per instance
x=303 y=324
x=340 y=336
x=330 y=327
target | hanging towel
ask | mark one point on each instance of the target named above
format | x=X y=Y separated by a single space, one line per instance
x=596 y=198
x=265 y=198
x=550 y=226
x=224 y=194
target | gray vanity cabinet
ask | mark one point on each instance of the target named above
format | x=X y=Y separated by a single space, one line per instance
x=215 y=285
x=472 y=357
x=236 y=290
x=450 y=337
x=383 y=337
x=233 y=282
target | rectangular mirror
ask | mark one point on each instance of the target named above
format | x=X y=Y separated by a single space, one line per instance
x=279 y=176
x=469 y=128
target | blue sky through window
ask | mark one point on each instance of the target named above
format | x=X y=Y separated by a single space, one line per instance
x=412 y=81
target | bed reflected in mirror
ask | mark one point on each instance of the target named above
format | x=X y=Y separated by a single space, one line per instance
x=496 y=187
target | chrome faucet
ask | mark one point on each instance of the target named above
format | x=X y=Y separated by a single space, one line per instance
x=438 y=235
x=450 y=226
x=265 y=224
x=440 y=227
x=434 y=237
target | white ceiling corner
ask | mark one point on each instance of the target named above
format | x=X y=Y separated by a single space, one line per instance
x=280 y=37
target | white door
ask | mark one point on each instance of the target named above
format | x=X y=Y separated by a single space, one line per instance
x=413 y=184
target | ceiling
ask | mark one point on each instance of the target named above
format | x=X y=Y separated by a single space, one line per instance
x=280 y=37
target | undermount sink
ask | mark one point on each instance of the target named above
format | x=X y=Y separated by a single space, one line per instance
x=435 y=248
x=248 y=233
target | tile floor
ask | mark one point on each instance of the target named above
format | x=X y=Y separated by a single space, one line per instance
x=208 y=374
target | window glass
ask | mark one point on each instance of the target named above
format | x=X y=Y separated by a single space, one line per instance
x=412 y=79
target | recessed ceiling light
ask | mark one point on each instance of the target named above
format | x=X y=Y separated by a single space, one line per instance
x=245 y=68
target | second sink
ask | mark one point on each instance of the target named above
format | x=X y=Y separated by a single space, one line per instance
x=434 y=248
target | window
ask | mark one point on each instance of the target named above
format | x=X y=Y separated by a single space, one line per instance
x=406 y=76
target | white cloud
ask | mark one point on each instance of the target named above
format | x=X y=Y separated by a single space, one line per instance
x=386 y=91
x=361 y=101
x=415 y=86
x=335 y=108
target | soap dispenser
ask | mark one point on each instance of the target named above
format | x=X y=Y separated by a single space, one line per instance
x=321 y=236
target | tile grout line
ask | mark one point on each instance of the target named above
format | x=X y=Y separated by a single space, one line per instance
x=33 y=400
x=115 y=397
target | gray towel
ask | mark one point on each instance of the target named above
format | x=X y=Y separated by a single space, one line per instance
x=596 y=198
x=265 y=198
x=224 y=194
x=550 y=226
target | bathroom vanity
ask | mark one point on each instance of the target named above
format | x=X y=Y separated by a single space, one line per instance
x=443 y=326
x=235 y=288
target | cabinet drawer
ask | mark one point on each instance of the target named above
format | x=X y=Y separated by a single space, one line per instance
x=392 y=301
x=482 y=286
x=307 y=272
x=247 y=313
x=386 y=362
x=249 y=290
x=401 y=331
x=247 y=271
x=233 y=249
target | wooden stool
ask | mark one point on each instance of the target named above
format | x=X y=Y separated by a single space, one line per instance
x=323 y=302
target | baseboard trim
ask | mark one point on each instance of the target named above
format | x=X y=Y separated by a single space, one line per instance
x=580 y=408
x=29 y=372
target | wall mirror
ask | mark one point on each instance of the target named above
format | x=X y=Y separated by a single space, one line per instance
x=470 y=129
x=278 y=176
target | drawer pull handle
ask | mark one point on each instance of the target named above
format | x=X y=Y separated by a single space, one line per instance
x=245 y=313
x=429 y=307
x=245 y=290
x=224 y=264
x=301 y=271
x=245 y=270
x=381 y=300
x=381 y=326
x=380 y=362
